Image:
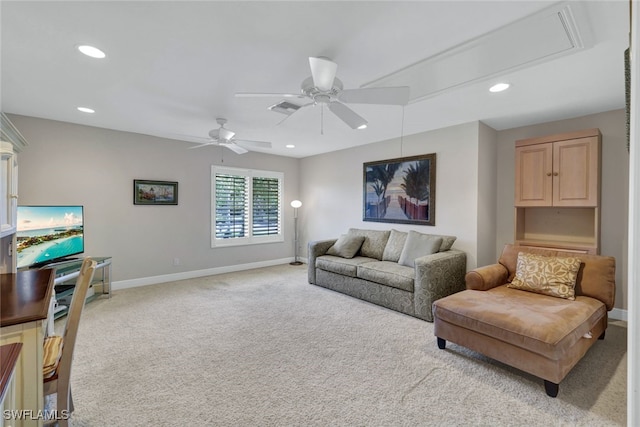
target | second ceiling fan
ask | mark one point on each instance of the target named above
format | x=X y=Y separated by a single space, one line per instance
x=226 y=138
x=324 y=88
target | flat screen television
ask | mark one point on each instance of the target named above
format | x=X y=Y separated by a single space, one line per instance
x=48 y=233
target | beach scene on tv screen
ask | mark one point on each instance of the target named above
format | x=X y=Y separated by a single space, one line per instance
x=48 y=232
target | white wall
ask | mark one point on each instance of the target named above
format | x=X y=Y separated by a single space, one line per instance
x=614 y=190
x=487 y=197
x=331 y=187
x=72 y=164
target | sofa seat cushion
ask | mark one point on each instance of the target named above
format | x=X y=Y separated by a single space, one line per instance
x=339 y=265
x=388 y=273
x=542 y=324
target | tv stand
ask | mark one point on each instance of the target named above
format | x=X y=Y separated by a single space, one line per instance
x=67 y=271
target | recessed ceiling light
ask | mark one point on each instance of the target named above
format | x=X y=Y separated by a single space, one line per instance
x=499 y=87
x=86 y=110
x=91 y=51
x=364 y=126
x=290 y=146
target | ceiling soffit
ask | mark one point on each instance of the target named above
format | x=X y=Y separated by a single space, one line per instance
x=549 y=34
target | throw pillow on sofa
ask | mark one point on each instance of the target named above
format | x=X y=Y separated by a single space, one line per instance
x=395 y=244
x=553 y=276
x=418 y=245
x=347 y=246
x=374 y=242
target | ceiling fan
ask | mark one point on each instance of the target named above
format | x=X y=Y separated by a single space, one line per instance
x=226 y=138
x=324 y=88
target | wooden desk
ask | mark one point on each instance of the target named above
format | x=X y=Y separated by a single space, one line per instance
x=24 y=305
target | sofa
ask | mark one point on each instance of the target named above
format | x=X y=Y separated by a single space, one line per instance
x=538 y=310
x=403 y=271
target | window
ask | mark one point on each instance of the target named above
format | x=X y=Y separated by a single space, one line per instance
x=246 y=206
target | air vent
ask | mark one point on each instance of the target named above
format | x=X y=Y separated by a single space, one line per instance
x=285 y=107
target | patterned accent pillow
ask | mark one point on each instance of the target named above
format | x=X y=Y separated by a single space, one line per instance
x=553 y=276
x=347 y=246
x=417 y=245
x=393 y=249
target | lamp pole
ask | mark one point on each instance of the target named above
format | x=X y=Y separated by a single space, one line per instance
x=295 y=205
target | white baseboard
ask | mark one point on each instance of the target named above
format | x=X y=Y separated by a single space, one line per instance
x=618 y=314
x=153 y=280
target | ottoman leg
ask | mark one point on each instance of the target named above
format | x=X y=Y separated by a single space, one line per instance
x=551 y=388
x=441 y=343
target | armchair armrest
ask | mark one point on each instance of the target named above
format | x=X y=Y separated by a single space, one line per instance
x=437 y=275
x=316 y=249
x=486 y=277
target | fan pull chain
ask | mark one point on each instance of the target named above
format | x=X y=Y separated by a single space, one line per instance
x=402 y=132
x=321 y=119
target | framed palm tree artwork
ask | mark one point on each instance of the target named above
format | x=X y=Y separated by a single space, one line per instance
x=400 y=190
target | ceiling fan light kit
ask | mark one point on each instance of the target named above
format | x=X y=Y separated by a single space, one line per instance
x=324 y=88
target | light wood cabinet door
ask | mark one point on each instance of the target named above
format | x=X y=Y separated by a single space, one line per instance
x=575 y=172
x=534 y=168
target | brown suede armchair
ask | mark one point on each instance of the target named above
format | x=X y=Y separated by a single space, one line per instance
x=542 y=335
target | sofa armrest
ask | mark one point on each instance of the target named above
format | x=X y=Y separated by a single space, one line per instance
x=316 y=249
x=437 y=275
x=486 y=277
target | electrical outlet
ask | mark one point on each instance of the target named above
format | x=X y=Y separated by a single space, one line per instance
x=176 y=261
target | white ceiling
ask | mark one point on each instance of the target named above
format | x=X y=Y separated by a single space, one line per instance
x=172 y=67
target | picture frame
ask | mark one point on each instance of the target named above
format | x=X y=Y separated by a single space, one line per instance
x=151 y=192
x=401 y=190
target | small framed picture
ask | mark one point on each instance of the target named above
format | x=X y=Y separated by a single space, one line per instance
x=147 y=192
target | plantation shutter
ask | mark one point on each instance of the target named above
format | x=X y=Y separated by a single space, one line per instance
x=246 y=206
x=266 y=206
x=231 y=206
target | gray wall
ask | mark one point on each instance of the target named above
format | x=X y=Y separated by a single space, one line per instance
x=331 y=187
x=475 y=187
x=71 y=164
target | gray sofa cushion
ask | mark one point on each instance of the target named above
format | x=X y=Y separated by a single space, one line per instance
x=374 y=242
x=347 y=246
x=339 y=265
x=388 y=273
x=418 y=245
x=393 y=249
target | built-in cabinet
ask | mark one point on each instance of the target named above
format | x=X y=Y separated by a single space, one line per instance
x=557 y=191
x=11 y=143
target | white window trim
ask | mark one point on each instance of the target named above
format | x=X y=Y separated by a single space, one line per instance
x=250 y=239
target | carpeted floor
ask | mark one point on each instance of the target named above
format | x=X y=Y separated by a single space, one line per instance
x=265 y=348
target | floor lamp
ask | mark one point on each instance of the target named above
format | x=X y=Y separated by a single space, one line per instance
x=295 y=205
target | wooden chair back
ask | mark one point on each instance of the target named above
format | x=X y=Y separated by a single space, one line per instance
x=73 y=316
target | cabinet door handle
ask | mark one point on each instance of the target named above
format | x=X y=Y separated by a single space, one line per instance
x=555 y=174
x=548 y=173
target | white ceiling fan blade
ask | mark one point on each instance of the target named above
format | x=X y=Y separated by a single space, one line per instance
x=268 y=95
x=250 y=143
x=225 y=134
x=323 y=72
x=347 y=115
x=234 y=147
x=202 y=145
x=291 y=112
x=376 y=95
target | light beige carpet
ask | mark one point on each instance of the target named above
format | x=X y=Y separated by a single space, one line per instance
x=263 y=347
